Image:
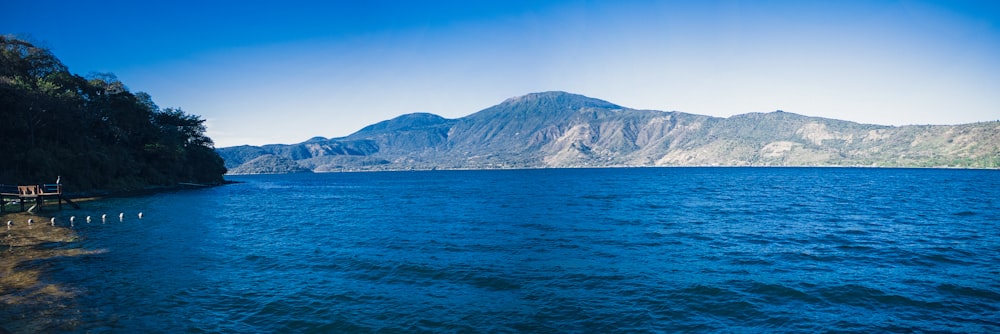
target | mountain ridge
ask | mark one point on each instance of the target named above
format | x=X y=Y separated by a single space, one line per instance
x=559 y=129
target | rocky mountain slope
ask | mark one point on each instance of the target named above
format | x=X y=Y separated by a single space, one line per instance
x=558 y=129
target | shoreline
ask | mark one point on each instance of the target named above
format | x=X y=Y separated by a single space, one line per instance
x=24 y=287
x=150 y=190
x=26 y=293
x=613 y=167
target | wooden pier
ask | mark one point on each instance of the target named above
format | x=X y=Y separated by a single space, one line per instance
x=33 y=193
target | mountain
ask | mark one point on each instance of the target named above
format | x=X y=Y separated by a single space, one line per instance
x=268 y=164
x=559 y=129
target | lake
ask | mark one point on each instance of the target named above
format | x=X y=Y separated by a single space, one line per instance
x=549 y=250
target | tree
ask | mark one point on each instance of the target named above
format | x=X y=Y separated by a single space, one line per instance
x=92 y=130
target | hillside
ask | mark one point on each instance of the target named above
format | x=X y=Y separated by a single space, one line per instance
x=558 y=129
x=93 y=132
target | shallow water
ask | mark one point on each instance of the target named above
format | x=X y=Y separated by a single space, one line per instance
x=559 y=250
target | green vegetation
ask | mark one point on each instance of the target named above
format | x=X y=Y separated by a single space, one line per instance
x=92 y=131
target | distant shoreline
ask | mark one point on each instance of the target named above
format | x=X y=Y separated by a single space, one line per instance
x=607 y=167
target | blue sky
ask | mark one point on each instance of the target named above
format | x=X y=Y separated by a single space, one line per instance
x=285 y=71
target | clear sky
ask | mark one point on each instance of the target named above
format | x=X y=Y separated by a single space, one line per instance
x=284 y=71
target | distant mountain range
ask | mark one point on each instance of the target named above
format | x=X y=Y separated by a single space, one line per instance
x=558 y=129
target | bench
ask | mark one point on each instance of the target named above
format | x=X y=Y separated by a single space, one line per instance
x=27 y=191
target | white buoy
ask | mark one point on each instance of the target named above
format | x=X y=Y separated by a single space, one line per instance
x=121 y=216
x=52 y=221
x=30 y=221
x=88 y=219
x=71 y=220
x=104 y=218
x=9 y=223
x=140 y=215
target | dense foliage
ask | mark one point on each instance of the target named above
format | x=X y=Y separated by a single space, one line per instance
x=92 y=131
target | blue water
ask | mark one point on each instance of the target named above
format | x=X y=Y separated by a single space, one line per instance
x=558 y=250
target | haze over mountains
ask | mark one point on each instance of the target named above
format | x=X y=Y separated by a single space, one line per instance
x=559 y=129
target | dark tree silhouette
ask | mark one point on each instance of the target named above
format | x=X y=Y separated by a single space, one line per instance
x=92 y=131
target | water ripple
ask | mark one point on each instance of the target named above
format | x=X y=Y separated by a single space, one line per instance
x=620 y=250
